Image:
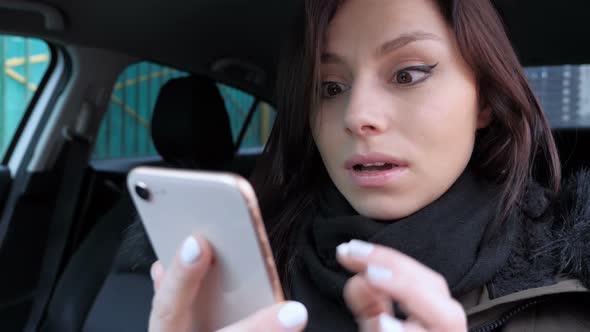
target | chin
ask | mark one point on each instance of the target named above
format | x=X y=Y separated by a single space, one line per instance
x=381 y=209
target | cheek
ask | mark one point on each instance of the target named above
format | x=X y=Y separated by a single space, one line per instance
x=327 y=124
x=326 y=134
x=447 y=122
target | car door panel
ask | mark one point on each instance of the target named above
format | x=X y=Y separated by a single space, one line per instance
x=5 y=181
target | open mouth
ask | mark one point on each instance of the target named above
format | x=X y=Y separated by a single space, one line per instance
x=374 y=167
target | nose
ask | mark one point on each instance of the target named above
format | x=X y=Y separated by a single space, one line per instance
x=367 y=112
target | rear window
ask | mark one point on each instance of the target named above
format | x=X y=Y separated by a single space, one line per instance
x=125 y=129
x=24 y=62
x=564 y=92
x=238 y=105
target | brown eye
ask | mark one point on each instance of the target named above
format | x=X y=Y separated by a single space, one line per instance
x=332 y=89
x=404 y=77
x=413 y=75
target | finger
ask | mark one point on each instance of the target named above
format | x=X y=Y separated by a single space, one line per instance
x=422 y=292
x=413 y=326
x=357 y=255
x=363 y=300
x=386 y=323
x=288 y=317
x=180 y=284
x=157 y=274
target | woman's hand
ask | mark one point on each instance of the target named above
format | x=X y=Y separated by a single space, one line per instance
x=386 y=275
x=177 y=288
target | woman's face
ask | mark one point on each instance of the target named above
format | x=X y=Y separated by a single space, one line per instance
x=399 y=110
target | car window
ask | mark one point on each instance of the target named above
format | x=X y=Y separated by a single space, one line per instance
x=238 y=105
x=564 y=93
x=125 y=128
x=259 y=130
x=24 y=63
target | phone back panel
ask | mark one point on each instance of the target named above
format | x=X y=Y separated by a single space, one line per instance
x=216 y=206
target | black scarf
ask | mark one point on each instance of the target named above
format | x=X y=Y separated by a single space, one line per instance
x=451 y=236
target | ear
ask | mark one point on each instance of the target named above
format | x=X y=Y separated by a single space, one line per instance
x=484 y=117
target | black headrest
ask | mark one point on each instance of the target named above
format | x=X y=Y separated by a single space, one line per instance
x=190 y=125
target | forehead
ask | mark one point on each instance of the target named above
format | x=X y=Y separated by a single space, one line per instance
x=373 y=22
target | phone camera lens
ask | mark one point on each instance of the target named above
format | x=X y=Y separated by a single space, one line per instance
x=142 y=191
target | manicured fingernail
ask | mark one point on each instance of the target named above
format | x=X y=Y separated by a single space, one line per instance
x=342 y=250
x=360 y=249
x=292 y=314
x=378 y=273
x=389 y=324
x=190 y=251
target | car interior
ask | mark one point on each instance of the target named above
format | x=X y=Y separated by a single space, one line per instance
x=65 y=213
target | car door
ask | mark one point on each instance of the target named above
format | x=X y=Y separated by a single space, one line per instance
x=5 y=181
x=26 y=66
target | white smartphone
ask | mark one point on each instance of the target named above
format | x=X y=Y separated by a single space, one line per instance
x=174 y=204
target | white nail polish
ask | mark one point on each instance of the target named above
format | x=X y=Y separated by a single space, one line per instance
x=378 y=273
x=342 y=250
x=389 y=324
x=360 y=249
x=191 y=251
x=292 y=314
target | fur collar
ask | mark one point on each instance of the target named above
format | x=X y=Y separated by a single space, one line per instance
x=553 y=240
x=136 y=253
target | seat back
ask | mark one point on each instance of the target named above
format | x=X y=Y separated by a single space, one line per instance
x=190 y=129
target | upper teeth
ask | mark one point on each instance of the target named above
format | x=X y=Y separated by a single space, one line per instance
x=374 y=164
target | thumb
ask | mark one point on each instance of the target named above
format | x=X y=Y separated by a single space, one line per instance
x=177 y=287
x=157 y=274
x=281 y=317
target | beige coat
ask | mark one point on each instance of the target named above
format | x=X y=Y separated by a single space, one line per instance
x=562 y=307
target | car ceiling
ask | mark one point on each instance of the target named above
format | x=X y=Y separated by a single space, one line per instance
x=193 y=34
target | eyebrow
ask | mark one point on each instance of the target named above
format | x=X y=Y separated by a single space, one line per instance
x=405 y=39
x=387 y=47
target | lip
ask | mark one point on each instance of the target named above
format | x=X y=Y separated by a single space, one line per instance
x=374 y=157
x=375 y=179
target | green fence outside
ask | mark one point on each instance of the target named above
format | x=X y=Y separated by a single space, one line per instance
x=124 y=131
x=23 y=63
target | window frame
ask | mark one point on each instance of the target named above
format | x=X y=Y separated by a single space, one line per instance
x=53 y=53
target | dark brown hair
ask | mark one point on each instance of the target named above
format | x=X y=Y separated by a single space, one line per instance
x=516 y=147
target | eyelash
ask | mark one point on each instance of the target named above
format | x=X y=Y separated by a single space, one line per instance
x=426 y=69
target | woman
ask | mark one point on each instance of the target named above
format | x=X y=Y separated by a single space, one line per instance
x=411 y=164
